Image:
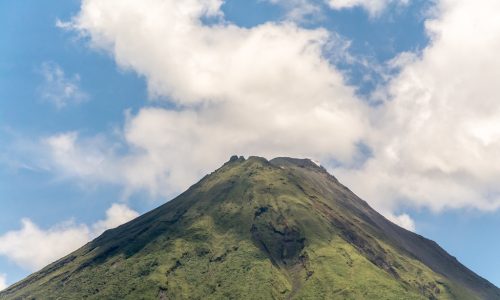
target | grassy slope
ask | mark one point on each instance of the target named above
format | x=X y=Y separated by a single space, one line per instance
x=250 y=230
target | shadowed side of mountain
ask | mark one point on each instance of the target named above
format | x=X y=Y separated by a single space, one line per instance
x=425 y=250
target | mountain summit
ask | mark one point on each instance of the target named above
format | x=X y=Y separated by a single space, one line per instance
x=258 y=229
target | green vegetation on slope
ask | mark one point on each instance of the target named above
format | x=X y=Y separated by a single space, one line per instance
x=253 y=229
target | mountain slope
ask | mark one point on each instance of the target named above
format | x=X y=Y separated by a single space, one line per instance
x=258 y=229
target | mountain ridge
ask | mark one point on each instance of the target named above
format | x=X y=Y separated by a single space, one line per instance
x=285 y=221
x=411 y=245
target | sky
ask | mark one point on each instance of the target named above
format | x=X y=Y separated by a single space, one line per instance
x=111 y=108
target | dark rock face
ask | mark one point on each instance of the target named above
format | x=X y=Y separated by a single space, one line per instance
x=258 y=229
x=282 y=243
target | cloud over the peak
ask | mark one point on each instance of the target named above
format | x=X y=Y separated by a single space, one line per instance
x=57 y=241
x=266 y=90
x=192 y=63
x=269 y=90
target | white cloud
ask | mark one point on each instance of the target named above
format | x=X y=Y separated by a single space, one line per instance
x=116 y=215
x=72 y=156
x=194 y=63
x=437 y=140
x=300 y=10
x=33 y=248
x=268 y=90
x=59 y=89
x=3 y=281
x=265 y=90
x=374 y=7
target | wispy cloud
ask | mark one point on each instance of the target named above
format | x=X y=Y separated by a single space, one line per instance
x=58 y=88
x=304 y=11
x=300 y=11
x=374 y=7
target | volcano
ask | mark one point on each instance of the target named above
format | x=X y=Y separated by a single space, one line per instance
x=258 y=229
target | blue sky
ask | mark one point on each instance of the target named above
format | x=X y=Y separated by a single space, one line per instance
x=99 y=120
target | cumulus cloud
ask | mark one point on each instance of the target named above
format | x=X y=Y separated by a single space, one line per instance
x=374 y=7
x=19 y=246
x=32 y=247
x=58 y=88
x=265 y=90
x=268 y=90
x=3 y=281
x=437 y=138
